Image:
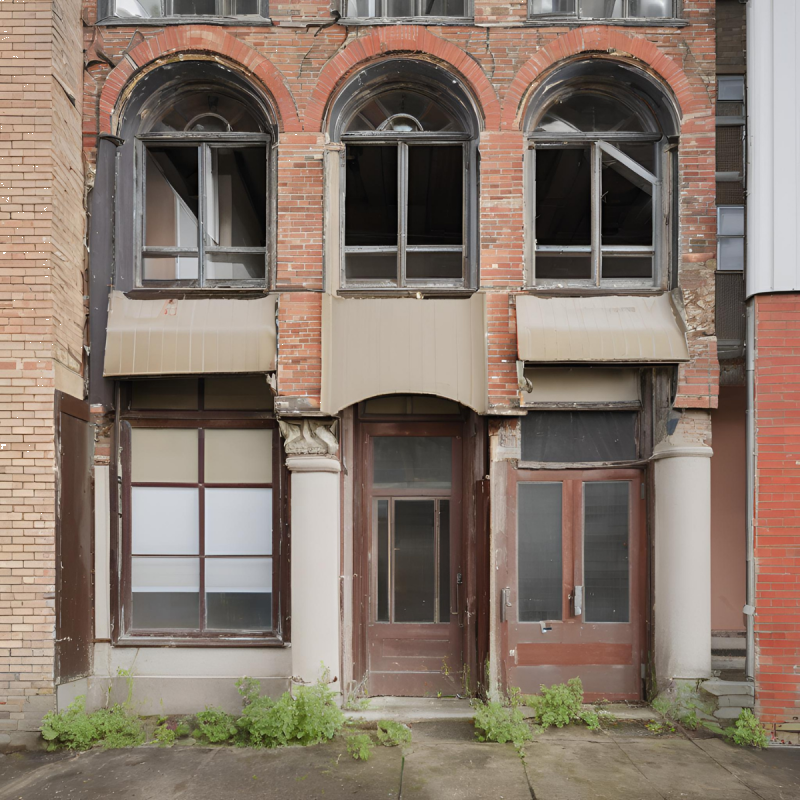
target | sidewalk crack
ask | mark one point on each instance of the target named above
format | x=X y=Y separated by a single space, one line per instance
x=718 y=763
x=637 y=768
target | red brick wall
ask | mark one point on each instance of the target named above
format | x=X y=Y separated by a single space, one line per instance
x=777 y=506
x=302 y=66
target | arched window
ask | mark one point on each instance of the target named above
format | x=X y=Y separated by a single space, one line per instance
x=201 y=158
x=599 y=136
x=409 y=179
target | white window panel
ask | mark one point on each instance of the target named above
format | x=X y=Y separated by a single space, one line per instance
x=165 y=574
x=239 y=575
x=730 y=88
x=238 y=521
x=730 y=221
x=164 y=520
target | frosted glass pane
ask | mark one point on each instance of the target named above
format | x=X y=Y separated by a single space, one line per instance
x=244 y=575
x=730 y=221
x=239 y=522
x=165 y=574
x=161 y=455
x=412 y=462
x=238 y=456
x=164 y=520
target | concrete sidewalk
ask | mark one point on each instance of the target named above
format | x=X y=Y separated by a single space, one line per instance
x=443 y=762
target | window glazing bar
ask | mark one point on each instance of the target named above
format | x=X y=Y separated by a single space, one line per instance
x=596 y=212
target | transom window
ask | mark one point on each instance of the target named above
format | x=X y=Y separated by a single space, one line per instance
x=408 y=8
x=155 y=9
x=408 y=174
x=203 y=163
x=201 y=544
x=603 y=9
x=595 y=158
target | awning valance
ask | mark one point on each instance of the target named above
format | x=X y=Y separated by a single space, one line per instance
x=644 y=330
x=403 y=346
x=190 y=337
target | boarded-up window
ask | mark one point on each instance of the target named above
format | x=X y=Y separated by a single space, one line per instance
x=579 y=436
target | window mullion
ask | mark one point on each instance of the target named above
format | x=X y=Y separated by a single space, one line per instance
x=204 y=156
x=596 y=213
x=402 y=211
x=202 y=521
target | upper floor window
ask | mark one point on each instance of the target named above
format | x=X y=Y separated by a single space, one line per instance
x=603 y=9
x=409 y=182
x=730 y=142
x=407 y=8
x=157 y=9
x=202 y=164
x=597 y=167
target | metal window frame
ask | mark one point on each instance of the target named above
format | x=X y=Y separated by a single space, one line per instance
x=223 y=8
x=677 y=9
x=468 y=280
x=382 y=17
x=721 y=236
x=599 y=144
x=204 y=143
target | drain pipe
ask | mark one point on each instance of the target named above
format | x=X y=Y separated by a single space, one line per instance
x=750 y=591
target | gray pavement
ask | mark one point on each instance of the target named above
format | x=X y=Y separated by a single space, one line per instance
x=443 y=762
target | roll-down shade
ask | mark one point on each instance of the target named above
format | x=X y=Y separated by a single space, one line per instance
x=190 y=337
x=403 y=346
x=642 y=330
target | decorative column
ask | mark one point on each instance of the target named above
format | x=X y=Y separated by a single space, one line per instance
x=683 y=552
x=312 y=458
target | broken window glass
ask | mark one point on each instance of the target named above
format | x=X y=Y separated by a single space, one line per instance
x=591 y=112
x=233 y=213
x=154 y=9
x=408 y=8
x=603 y=9
x=563 y=197
x=404 y=198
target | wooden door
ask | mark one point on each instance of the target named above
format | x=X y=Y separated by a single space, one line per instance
x=574 y=596
x=74 y=546
x=412 y=520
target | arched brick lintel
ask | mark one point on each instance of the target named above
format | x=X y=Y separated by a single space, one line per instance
x=200 y=39
x=391 y=39
x=690 y=93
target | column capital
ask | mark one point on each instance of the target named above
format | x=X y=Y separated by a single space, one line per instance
x=310 y=437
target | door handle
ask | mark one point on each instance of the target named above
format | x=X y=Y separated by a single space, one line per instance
x=577 y=601
x=505 y=602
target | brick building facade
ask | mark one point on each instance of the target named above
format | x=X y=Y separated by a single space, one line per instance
x=342 y=345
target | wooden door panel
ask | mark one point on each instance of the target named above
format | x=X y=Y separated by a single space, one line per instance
x=607 y=656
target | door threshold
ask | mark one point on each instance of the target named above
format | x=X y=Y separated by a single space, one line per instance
x=413 y=709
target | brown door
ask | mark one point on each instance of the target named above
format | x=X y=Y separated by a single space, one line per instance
x=74 y=552
x=412 y=529
x=574 y=592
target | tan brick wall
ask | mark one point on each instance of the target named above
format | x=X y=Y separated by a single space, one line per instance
x=41 y=320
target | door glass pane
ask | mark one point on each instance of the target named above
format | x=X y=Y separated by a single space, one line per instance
x=435 y=194
x=540 y=578
x=163 y=455
x=238 y=521
x=563 y=197
x=444 y=561
x=165 y=593
x=164 y=520
x=382 y=529
x=238 y=456
x=605 y=551
x=239 y=594
x=414 y=561
x=371 y=196
x=412 y=462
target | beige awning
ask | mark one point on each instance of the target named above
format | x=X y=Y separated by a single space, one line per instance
x=403 y=346
x=190 y=337
x=645 y=330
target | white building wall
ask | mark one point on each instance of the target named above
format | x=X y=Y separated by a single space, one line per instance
x=773 y=146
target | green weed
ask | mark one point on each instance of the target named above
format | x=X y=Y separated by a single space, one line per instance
x=359 y=746
x=216 y=725
x=74 y=729
x=747 y=731
x=392 y=734
x=495 y=722
x=562 y=704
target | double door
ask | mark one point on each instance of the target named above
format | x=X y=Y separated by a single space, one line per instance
x=573 y=589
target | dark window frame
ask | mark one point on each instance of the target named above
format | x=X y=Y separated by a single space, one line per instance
x=122 y=631
x=204 y=142
x=425 y=19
